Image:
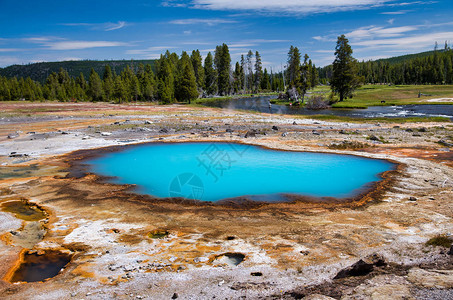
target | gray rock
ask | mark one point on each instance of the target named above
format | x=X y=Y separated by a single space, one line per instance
x=275 y=128
x=13 y=135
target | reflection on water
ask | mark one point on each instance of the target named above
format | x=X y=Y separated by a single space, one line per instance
x=261 y=104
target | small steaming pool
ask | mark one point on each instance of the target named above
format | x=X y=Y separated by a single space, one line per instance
x=216 y=171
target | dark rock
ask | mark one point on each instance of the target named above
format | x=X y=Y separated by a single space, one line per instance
x=230 y=238
x=163 y=130
x=416 y=134
x=412 y=199
x=315 y=132
x=445 y=143
x=396 y=126
x=373 y=138
x=422 y=129
x=204 y=134
x=18 y=155
x=294 y=123
x=342 y=132
x=229 y=130
x=450 y=252
x=275 y=128
x=117 y=123
x=211 y=129
x=409 y=130
x=432 y=198
x=148 y=122
x=284 y=134
x=250 y=133
x=175 y=296
x=256 y=274
x=362 y=267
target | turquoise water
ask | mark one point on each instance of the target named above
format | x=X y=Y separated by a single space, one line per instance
x=215 y=171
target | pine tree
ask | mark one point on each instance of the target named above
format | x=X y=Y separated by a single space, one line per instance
x=210 y=75
x=305 y=81
x=344 y=78
x=148 y=83
x=249 y=71
x=258 y=71
x=166 y=84
x=265 y=83
x=293 y=69
x=120 y=91
x=187 y=83
x=198 y=69
x=237 y=84
x=222 y=61
x=108 y=83
x=95 y=86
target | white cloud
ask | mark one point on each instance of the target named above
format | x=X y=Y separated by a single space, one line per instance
x=114 y=26
x=109 y=26
x=288 y=6
x=269 y=41
x=391 y=21
x=399 y=12
x=10 y=50
x=209 y=22
x=410 y=43
x=79 y=45
x=9 y=60
x=380 y=32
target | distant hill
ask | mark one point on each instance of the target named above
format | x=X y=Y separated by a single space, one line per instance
x=40 y=71
x=429 y=67
x=402 y=58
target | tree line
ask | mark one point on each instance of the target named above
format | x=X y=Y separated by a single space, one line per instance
x=175 y=78
x=435 y=68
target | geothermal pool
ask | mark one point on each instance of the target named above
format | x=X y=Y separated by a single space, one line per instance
x=216 y=171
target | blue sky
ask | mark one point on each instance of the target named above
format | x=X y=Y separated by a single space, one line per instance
x=44 y=30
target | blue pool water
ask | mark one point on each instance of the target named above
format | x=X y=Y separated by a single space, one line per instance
x=215 y=171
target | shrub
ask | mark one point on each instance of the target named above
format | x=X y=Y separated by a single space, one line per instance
x=439 y=240
x=317 y=102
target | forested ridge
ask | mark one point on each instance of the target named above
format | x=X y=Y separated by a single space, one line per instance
x=183 y=78
x=41 y=70
x=433 y=67
x=169 y=79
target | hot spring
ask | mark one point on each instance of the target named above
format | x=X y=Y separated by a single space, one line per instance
x=216 y=171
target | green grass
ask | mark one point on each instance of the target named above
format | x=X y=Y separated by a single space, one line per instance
x=207 y=100
x=379 y=119
x=372 y=95
x=440 y=240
